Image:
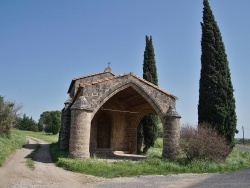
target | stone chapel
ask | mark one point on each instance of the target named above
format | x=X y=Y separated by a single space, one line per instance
x=103 y=111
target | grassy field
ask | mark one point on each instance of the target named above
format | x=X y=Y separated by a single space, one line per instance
x=50 y=138
x=155 y=165
x=151 y=166
x=8 y=146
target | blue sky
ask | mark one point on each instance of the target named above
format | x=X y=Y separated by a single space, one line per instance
x=45 y=43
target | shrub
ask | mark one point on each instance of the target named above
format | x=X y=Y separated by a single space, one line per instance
x=159 y=130
x=8 y=116
x=27 y=123
x=203 y=142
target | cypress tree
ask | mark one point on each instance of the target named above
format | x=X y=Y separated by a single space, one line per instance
x=149 y=63
x=216 y=100
x=149 y=122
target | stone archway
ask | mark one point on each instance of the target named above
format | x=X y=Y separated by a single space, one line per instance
x=133 y=97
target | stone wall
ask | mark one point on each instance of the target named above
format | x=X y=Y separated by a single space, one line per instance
x=65 y=128
x=97 y=93
x=119 y=136
x=87 y=79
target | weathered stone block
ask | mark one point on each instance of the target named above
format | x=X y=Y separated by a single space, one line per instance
x=127 y=98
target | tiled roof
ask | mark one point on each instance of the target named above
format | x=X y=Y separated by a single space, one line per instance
x=122 y=75
x=90 y=75
x=154 y=86
x=86 y=76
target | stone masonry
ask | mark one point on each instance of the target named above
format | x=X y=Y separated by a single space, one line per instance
x=103 y=112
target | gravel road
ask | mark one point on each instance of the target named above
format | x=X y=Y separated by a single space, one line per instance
x=15 y=174
x=239 y=179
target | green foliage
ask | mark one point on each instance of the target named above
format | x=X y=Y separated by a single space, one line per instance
x=149 y=63
x=149 y=131
x=27 y=123
x=40 y=127
x=56 y=152
x=50 y=121
x=152 y=166
x=9 y=145
x=31 y=157
x=149 y=122
x=158 y=143
x=43 y=120
x=8 y=116
x=159 y=130
x=216 y=101
x=30 y=163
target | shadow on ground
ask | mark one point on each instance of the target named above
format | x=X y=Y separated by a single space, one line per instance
x=42 y=153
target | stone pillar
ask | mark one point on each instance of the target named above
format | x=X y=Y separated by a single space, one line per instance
x=171 y=136
x=65 y=125
x=80 y=127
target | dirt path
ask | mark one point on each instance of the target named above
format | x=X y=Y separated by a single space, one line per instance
x=15 y=173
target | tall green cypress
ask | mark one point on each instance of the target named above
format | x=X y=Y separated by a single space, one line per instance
x=149 y=63
x=216 y=100
x=149 y=122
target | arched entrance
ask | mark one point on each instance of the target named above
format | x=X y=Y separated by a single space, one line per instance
x=113 y=127
x=106 y=110
x=103 y=131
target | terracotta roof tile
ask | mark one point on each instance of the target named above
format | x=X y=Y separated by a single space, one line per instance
x=122 y=75
x=81 y=77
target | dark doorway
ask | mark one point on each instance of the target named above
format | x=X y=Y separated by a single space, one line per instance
x=103 y=132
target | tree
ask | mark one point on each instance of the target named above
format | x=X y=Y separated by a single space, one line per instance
x=8 y=116
x=149 y=63
x=42 y=120
x=216 y=100
x=51 y=121
x=149 y=122
x=27 y=123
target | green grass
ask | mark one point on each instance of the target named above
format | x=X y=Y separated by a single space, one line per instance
x=48 y=137
x=30 y=158
x=18 y=139
x=152 y=166
x=30 y=163
x=8 y=146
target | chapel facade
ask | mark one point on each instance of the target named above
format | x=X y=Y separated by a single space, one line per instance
x=103 y=111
